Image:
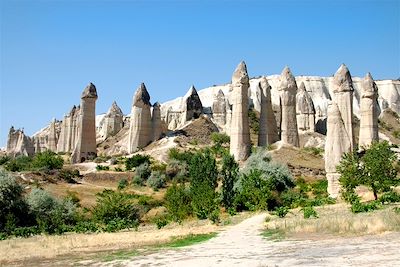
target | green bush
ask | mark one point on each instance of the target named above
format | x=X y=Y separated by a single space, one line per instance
x=281 y=211
x=13 y=207
x=47 y=160
x=87 y=226
x=220 y=138
x=118 y=169
x=73 y=197
x=357 y=206
x=389 y=197
x=122 y=184
x=254 y=121
x=156 y=180
x=20 y=163
x=262 y=182
x=52 y=215
x=102 y=168
x=142 y=173
x=185 y=156
x=177 y=170
x=136 y=161
x=253 y=192
x=203 y=174
x=4 y=160
x=115 y=210
x=26 y=231
x=229 y=173
x=178 y=202
x=309 y=212
x=161 y=222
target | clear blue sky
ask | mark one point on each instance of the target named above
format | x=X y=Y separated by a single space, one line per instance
x=50 y=50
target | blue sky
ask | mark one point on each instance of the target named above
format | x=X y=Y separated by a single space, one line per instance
x=50 y=50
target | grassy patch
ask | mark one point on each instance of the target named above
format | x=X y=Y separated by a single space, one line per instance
x=337 y=220
x=273 y=234
x=189 y=240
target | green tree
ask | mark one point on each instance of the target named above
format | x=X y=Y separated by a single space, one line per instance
x=374 y=168
x=379 y=173
x=203 y=173
x=178 y=202
x=229 y=173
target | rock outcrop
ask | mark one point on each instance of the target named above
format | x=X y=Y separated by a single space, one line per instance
x=140 y=131
x=19 y=144
x=69 y=131
x=305 y=110
x=156 y=124
x=338 y=141
x=239 y=129
x=343 y=95
x=369 y=112
x=85 y=147
x=268 y=131
x=52 y=137
x=288 y=91
x=112 y=122
x=191 y=106
x=219 y=109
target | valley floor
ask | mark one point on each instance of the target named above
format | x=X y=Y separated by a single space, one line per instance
x=243 y=245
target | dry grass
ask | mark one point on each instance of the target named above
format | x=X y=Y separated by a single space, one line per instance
x=47 y=247
x=336 y=220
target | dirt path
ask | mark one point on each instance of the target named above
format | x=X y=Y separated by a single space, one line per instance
x=242 y=245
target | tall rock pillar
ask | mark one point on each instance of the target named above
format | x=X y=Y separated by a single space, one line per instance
x=368 y=112
x=156 y=122
x=85 y=147
x=268 y=132
x=140 y=131
x=343 y=94
x=52 y=141
x=239 y=129
x=305 y=110
x=288 y=91
x=338 y=142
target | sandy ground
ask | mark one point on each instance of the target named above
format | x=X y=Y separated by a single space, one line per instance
x=242 y=245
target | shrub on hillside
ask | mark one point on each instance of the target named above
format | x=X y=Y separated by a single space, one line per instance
x=52 y=215
x=185 y=156
x=203 y=174
x=68 y=176
x=20 y=163
x=178 y=202
x=177 y=170
x=4 y=160
x=47 y=160
x=142 y=173
x=113 y=207
x=156 y=180
x=13 y=208
x=136 y=161
x=261 y=182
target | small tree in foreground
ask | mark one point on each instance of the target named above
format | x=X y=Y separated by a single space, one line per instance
x=375 y=168
x=229 y=173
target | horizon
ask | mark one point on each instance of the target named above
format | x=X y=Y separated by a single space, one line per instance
x=176 y=44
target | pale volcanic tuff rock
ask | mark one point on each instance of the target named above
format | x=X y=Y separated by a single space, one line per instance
x=305 y=110
x=369 y=112
x=85 y=147
x=156 y=124
x=19 y=144
x=219 y=109
x=52 y=137
x=191 y=106
x=343 y=95
x=140 y=131
x=268 y=132
x=288 y=91
x=338 y=141
x=112 y=122
x=239 y=128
